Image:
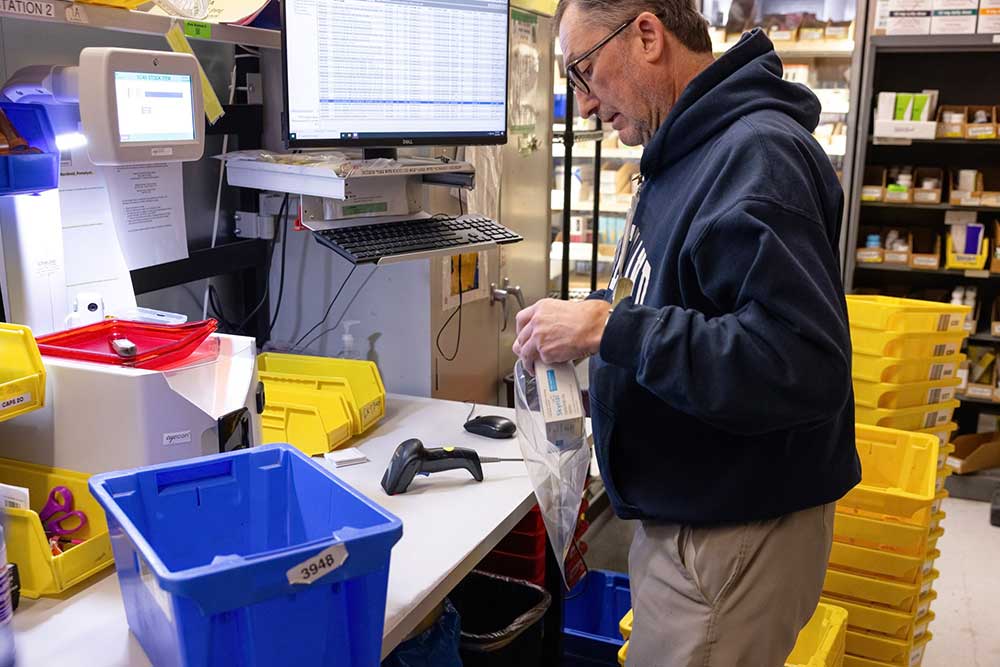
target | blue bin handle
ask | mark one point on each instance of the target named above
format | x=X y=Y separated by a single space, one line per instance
x=188 y=476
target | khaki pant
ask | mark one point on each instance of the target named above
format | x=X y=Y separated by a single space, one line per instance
x=730 y=596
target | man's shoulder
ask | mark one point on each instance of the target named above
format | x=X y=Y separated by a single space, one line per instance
x=765 y=129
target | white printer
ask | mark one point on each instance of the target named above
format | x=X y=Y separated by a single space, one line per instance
x=100 y=417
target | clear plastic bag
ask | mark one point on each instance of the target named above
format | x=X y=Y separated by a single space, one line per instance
x=557 y=472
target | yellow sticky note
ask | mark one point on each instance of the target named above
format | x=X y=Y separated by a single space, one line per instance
x=179 y=43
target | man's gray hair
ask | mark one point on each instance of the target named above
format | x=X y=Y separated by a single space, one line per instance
x=680 y=17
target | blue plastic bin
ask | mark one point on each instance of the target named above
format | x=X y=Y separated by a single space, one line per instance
x=591 y=615
x=30 y=172
x=207 y=551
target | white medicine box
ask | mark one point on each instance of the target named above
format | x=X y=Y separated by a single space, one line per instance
x=989 y=16
x=954 y=17
x=909 y=17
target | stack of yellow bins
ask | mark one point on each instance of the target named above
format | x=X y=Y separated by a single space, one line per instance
x=886 y=531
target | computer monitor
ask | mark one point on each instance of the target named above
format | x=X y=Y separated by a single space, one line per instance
x=141 y=106
x=395 y=72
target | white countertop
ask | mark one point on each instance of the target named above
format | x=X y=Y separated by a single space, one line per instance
x=449 y=523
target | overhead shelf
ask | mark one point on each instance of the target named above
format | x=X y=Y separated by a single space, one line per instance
x=588 y=206
x=929 y=207
x=984 y=337
x=834 y=48
x=882 y=141
x=113 y=18
x=921 y=44
x=969 y=275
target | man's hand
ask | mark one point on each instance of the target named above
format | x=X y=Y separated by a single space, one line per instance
x=553 y=331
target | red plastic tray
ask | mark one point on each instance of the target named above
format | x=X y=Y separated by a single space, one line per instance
x=157 y=345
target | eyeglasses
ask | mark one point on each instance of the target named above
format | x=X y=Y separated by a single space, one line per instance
x=578 y=79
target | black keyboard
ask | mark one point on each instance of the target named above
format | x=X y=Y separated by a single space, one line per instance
x=366 y=244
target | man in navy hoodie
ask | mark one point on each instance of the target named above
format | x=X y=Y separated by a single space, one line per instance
x=720 y=385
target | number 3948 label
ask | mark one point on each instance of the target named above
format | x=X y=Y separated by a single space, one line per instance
x=324 y=562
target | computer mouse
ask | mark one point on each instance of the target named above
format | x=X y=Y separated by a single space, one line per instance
x=491 y=426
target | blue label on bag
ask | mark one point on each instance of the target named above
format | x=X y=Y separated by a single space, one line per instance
x=551 y=375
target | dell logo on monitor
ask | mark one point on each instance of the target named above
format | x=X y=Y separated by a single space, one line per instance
x=407 y=142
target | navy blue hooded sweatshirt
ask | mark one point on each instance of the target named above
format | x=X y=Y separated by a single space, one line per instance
x=722 y=391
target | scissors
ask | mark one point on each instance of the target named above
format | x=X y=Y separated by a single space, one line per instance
x=58 y=510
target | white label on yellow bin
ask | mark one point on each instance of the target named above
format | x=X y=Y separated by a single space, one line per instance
x=369 y=412
x=941 y=371
x=919 y=632
x=324 y=562
x=916 y=656
x=928 y=566
x=13 y=402
x=945 y=350
x=926 y=588
x=924 y=608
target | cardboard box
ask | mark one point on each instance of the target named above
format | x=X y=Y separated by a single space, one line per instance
x=951 y=130
x=866 y=255
x=560 y=403
x=901 y=257
x=925 y=249
x=905 y=129
x=963 y=197
x=898 y=194
x=928 y=195
x=873 y=187
x=978 y=451
x=812 y=29
x=909 y=17
x=840 y=30
x=980 y=130
x=989 y=17
x=954 y=17
x=982 y=372
x=995 y=259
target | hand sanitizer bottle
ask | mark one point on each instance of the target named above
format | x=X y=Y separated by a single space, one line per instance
x=347 y=350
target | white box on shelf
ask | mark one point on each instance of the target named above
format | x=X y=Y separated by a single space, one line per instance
x=954 y=17
x=905 y=129
x=909 y=17
x=989 y=16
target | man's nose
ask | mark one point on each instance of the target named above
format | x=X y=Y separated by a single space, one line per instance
x=586 y=103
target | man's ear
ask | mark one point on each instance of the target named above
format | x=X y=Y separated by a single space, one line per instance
x=653 y=37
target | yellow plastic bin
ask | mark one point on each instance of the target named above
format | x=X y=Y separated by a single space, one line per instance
x=888 y=535
x=625 y=626
x=623 y=654
x=943 y=473
x=821 y=642
x=901 y=371
x=358 y=381
x=880 y=563
x=898 y=471
x=42 y=573
x=892 y=594
x=890 y=313
x=909 y=395
x=907 y=419
x=314 y=421
x=873 y=618
x=942 y=433
x=944 y=451
x=121 y=4
x=886 y=650
x=906 y=345
x=22 y=375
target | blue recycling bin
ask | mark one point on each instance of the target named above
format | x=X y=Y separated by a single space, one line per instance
x=257 y=557
x=591 y=615
x=29 y=173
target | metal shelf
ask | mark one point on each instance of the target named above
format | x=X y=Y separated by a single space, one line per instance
x=973 y=399
x=967 y=275
x=113 y=18
x=945 y=142
x=984 y=337
x=922 y=44
x=822 y=49
x=930 y=207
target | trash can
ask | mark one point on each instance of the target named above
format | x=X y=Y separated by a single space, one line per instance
x=501 y=620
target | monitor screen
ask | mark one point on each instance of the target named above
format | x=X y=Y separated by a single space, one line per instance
x=154 y=107
x=395 y=72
